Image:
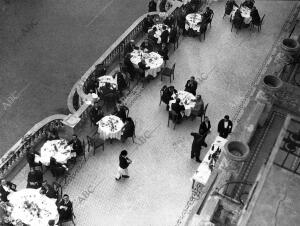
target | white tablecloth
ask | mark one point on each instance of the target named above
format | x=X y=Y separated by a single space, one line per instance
x=61 y=153
x=110 y=127
x=192 y=20
x=185 y=99
x=203 y=172
x=159 y=31
x=108 y=79
x=245 y=12
x=32 y=208
x=153 y=60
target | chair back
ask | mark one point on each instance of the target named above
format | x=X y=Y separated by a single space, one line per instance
x=90 y=141
x=262 y=19
x=173 y=68
x=173 y=115
x=57 y=188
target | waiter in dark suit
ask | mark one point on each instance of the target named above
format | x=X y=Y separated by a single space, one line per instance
x=225 y=127
x=197 y=145
x=6 y=188
x=205 y=127
x=65 y=209
x=164 y=35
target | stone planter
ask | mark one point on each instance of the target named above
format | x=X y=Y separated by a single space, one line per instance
x=236 y=151
x=271 y=84
x=290 y=47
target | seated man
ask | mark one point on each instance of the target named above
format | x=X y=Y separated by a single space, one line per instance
x=30 y=157
x=96 y=114
x=130 y=47
x=77 y=146
x=65 y=209
x=120 y=80
x=167 y=95
x=6 y=188
x=128 y=129
x=147 y=45
x=57 y=169
x=121 y=111
x=164 y=35
x=191 y=86
x=178 y=108
x=148 y=23
x=198 y=110
x=100 y=70
x=207 y=15
x=238 y=19
x=48 y=190
x=151 y=34
x=248 y=3
x=129 y=66
x=255 y=16
x=34 y=178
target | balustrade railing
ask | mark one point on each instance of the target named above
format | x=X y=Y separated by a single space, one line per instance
x=76 y=106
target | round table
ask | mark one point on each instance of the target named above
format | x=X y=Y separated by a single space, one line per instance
x=109 y=127
x=57 y=149
x=108 y=79
x=192 y=21
x=153 y=60
x=159 y=30
x=185 y=99
x=31 y=207
x=245 y=12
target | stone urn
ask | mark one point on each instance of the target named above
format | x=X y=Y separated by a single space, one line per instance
x=290 y=47
x=271 y=84
x=235 y=152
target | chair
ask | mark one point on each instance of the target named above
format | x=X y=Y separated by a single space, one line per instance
x=174 y=117
x=94 y=143
x=60 y=223
x=203 y=29
x=204 y=113
x=58 y=189
x=258 y=25
x=210 y=19
x=168 y=72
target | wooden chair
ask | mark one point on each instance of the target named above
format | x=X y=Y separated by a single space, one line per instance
x=204 y=113
x=174 y=117
x=210 y=19
x=94 y=143
x=258 y=25
x=168 y=72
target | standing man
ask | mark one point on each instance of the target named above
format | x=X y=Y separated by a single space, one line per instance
x=225 y=127
x=65 y=209
x=205 y=127
x=124 y=162
x=152 y=6
x=197 y=144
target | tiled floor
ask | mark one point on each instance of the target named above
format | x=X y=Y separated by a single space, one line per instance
x=225 y=65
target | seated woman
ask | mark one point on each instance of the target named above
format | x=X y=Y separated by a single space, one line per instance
x=248 y=3
x=198 y=110
x=56 y=168
x=167 y=95
x=255 y=16
x=128 y=129
x=6 y=187
x=229 y=7
x=65 y=209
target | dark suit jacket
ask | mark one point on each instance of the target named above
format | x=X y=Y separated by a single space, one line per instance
x=205 y=127
x=3 y=193
x=191 y=87
x=164 y=36
x=34 y=179
x=177 y=108
x=65 y=214
x=77 y=146
x=197 y=142
x=222 y=129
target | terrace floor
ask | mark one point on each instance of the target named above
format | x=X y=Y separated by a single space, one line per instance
x=226 y=66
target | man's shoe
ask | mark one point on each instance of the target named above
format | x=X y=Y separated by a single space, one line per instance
x=125 y=176
x=197 y=160
x=117 y=179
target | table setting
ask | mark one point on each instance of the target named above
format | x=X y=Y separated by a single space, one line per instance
x=108 y=79
x=110 y=127
x=245 y=12
x=58 y=149
x=192 y=21
x=159 y=30
x=152 y=59
x=31 y=208
x=187 y=99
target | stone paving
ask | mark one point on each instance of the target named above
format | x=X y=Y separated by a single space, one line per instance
x=225 y=65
